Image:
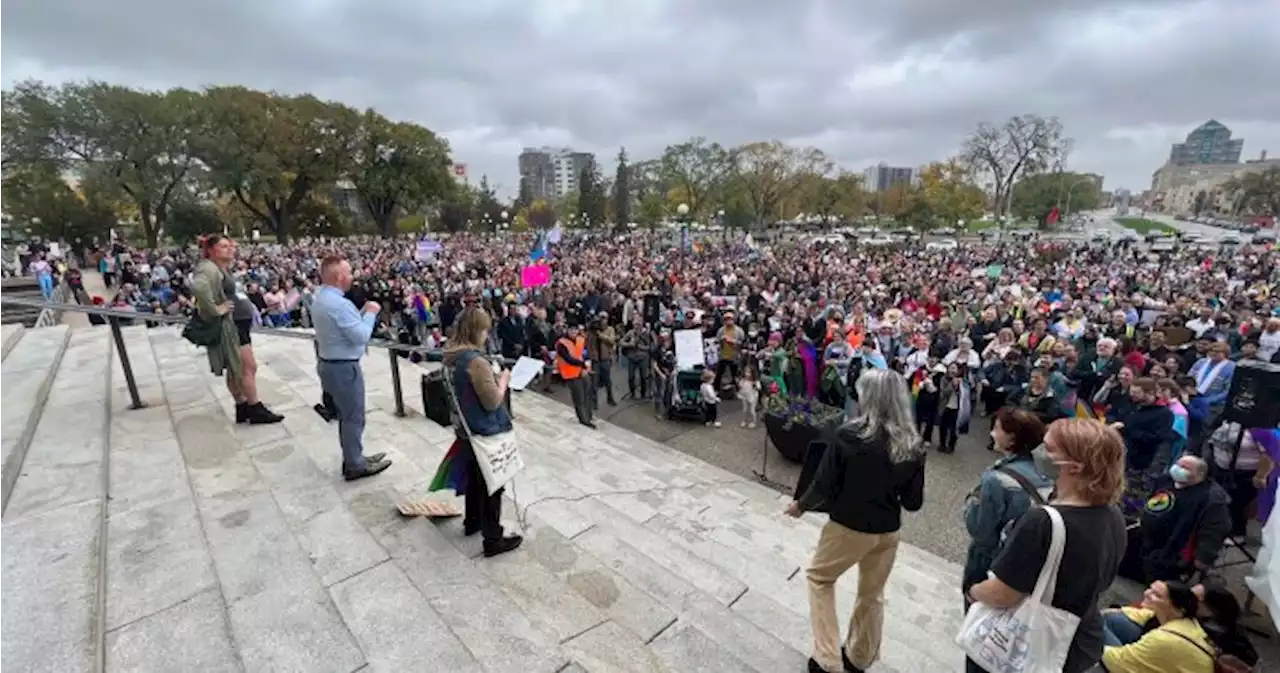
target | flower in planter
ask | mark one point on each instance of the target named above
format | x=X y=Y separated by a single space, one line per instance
x=802 y=410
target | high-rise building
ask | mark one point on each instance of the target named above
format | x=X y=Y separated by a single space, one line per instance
x=550 y=172
x=881 y=177
x=1209 y=143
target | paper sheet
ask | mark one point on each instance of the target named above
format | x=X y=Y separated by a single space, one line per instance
x=689 y=353
x=524 y=372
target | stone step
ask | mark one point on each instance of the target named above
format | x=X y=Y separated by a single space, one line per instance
x=53 y=525
x=28 y=372
x=10 y=335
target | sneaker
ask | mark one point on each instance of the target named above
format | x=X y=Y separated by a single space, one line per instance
x=502 y=546
x=716 y=424
x=751 y=425
x=742 y=424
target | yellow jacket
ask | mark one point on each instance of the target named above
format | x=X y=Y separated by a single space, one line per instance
x=1161 y=650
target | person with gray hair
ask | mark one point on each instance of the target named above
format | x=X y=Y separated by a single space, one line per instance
x=872 y=469
x=1188 y=509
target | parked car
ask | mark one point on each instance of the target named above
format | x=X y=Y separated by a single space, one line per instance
x=1230 y=238
x=1264 y=238
x=944 y=244
x=945 y=231
x=1163 y=244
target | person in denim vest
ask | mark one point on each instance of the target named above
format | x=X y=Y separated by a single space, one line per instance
x=480 y=393
x=1005 y=491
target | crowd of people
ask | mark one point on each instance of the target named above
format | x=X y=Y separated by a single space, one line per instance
x=1105 y=370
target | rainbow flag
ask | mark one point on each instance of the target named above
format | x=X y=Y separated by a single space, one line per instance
x=917 y=381
x=452 y=473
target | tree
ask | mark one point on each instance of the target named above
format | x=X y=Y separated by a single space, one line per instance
x=771 y=171
x=487 y=207
x=697 y=168
x=1035 y=196
x=270 y=152
x=591 y=195
x=525 y=198
x=541 y=215
x=1256 y=192
x=189 y=220
x=896 y=199
x=40 y=199
x=397 y=167
x=1023 y=145
x=457 y=209
x=652 y=207
x=622 y=192
x=139 y=141
x=951 y=196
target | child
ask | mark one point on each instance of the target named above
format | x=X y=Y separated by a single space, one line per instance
x=710 y=400
x=749 y=393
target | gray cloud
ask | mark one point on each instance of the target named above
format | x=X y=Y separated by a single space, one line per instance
x=901 y=82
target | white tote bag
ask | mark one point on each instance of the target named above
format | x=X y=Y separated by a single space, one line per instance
x=1031 y=637
x=498 y=456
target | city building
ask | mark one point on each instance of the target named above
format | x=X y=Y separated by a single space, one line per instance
x=551 y=173
x=1209 y=143
x=1199 y=188
x=881 y=177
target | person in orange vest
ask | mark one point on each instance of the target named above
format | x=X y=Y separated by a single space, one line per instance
x=573 y=364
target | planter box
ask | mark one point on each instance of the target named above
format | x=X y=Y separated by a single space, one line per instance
x=791 y=441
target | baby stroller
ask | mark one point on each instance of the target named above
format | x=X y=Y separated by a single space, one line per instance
x=684 y=395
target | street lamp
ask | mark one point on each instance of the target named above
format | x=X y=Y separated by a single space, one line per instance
x=504 y=216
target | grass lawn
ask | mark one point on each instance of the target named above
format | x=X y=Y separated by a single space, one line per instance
x=1144 y=226
x=979 y=225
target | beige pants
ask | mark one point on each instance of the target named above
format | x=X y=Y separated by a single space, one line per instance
x=839 y=548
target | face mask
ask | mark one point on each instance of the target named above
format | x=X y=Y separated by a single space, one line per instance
x=1179 y=473
x=1043 y=464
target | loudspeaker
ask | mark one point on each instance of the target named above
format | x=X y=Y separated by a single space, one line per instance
x=435 y=399
x=651 y=309
x=1254 y=398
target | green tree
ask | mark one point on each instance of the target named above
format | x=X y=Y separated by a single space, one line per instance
x=652 y=206
x=1022 y=146
x=37 y=197
x=592 y=197
x=139 y=141
x=487 y=207
x=622 y=192
x=457 y=209
x=695 y=169
x=769 y=172
x=525 y=198
x=271 y=152
x=189 y=220
x=1035 y=196
x=397 y=168
x=1256 y=192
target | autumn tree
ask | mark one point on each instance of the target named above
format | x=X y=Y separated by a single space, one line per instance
x=950 y=194
x=1022 y=145
x=271 y=152
x=40 y=199
x=697 y=168
x=769 y=172
x=592 y=196
x=397 y=167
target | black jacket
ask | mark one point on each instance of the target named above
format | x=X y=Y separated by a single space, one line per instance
x=861 y=488
x=1169 y=523
x=1148 y=432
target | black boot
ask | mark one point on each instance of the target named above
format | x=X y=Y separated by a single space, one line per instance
x=242 y=412
x=494 y=547
x=258 y=414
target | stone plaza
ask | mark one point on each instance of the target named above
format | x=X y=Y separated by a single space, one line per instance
x=168 y=538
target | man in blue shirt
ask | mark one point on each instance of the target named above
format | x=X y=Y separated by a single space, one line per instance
x=342 y=332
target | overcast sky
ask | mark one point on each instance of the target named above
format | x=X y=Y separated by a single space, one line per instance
x=900 y=81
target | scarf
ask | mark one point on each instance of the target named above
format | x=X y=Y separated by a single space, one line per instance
x=1206 y=376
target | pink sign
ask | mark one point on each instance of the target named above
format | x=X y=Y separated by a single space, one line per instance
x=535 y=275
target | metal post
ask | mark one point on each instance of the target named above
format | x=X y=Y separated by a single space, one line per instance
x=135 y=400
x=395 y=383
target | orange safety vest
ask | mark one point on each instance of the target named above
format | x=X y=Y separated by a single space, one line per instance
x=567 y=371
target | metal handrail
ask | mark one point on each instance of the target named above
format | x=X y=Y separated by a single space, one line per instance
x=114 y=316
x=52 y=316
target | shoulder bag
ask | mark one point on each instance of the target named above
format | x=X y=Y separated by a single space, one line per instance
x=1030 y=637
x=498 y=456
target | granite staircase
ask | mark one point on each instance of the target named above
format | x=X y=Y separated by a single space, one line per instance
x=168 y=538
